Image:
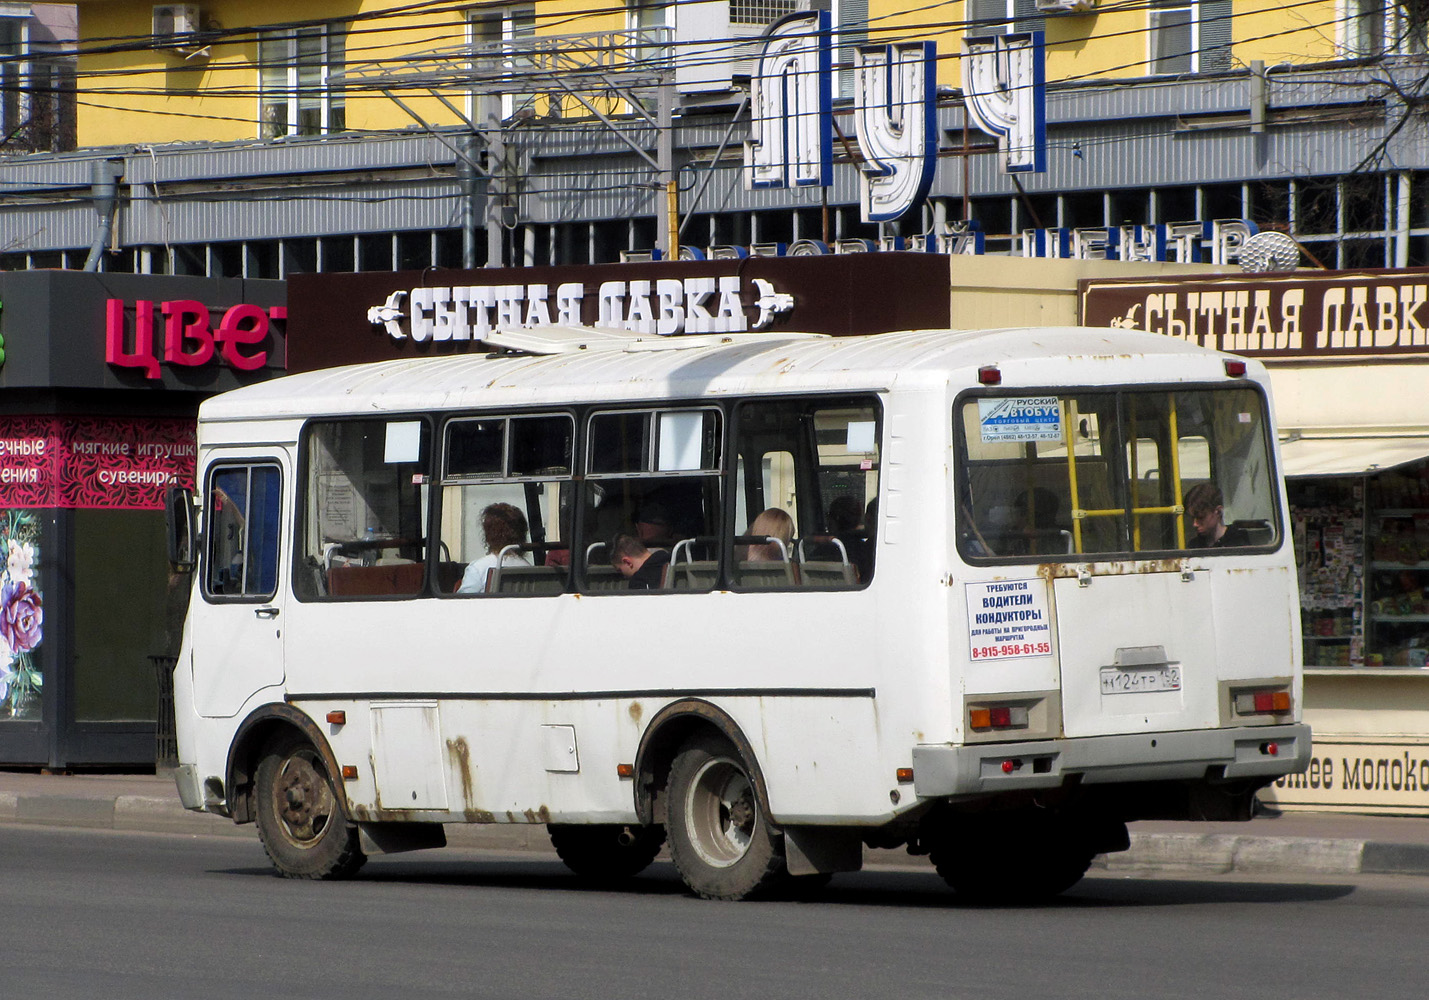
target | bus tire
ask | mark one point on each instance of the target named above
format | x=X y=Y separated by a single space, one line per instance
x=606 y=852
x=720 y=839
x=300 y=820
x=1020 y=859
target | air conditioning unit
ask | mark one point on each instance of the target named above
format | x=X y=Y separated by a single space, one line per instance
x=1066 y=6
x=173 y=21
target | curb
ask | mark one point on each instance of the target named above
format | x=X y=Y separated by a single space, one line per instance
x=1150 y=853
x=1221 y=853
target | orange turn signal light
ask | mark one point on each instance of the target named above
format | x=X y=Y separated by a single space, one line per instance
x=904 y=775
x=349 y=772
x=337 y=717
x=625 y=770
x=980 y=718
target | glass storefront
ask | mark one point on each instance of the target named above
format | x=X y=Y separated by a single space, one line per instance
x=1362 y=548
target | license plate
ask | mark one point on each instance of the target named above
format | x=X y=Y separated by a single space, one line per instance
x=1120 y=680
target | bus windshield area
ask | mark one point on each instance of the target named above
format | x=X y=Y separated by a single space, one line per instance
x=1064 y=476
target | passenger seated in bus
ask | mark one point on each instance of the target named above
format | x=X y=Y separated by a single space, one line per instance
x=561 y=557
x=642 y=566
x=503 y=525
x=846 y=522
x=1035 y=513
x=772 y=523
x=1206 y=508
x=653 y=526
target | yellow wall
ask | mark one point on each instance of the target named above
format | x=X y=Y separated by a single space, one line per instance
x=140 y=95
x=1113 y=40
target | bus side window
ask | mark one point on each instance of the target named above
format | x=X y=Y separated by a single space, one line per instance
x=363 y=526
x=654 y=474
x=819 y=465
x=243 y=519
x=506 y=503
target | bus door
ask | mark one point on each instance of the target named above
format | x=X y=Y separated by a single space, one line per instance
x=1138 y=649
x=236 y=626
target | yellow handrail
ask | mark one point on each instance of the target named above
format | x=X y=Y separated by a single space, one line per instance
x=1135 y=486
x=1179 y=508
x=1069 y=418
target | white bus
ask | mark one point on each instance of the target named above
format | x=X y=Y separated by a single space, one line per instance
x=988 y=628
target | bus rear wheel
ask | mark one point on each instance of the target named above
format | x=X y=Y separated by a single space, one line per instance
x=720 y=839
x=606 y=852
x=300 y=821
x=1016 y=858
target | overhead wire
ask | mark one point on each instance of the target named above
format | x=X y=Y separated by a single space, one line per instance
x=460 y=28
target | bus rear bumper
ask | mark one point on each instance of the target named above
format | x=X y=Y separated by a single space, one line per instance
x=988 y=768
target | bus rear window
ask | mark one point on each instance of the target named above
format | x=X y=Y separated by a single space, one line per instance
x=1051 y=476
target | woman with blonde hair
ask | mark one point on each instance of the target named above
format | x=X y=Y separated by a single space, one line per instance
x=772 y=523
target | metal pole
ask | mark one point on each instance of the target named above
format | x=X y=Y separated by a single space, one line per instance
x=668 y=208
x=496 y=177
x=471 y=193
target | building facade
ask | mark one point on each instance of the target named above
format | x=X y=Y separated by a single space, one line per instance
x=371 y=136
x=253 y=145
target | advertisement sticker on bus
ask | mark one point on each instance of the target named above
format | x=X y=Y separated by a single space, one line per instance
x=1008 y=619
x=1035 y=418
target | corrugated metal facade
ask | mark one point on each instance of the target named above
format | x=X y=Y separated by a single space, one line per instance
x=1128 y=135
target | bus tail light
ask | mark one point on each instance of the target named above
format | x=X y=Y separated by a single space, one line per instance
x=998 y=717
x=1235 y=368
x=989 y=375
x=1262 y=702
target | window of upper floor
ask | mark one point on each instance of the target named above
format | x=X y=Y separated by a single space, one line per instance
x=12 y=47
x=1377 y=28
x=37 y=102
x=297 y=68
x=761 y=11
x=999 y=17
x=1189 y=36
x=653 y=19
x=488 y=27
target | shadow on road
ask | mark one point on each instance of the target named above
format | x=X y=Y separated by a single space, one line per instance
x=874 y=887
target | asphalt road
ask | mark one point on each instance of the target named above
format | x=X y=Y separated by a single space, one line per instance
x=118 y=915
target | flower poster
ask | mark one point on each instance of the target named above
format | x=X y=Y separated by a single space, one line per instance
x=21 y=616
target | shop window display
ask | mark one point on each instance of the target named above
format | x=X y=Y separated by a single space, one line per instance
x=1362 y=547
x=1329 y=551
x=1399 y=569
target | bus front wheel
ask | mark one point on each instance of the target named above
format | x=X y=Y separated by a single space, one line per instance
x=300 y=822
x=720 y=839
x=606 y=851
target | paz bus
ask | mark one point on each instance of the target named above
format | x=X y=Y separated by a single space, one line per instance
x=991 y=632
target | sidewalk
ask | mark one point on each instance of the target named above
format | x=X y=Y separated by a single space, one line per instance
x=1292 y=843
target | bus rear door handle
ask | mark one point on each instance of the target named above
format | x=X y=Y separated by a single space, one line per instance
x=267 y=612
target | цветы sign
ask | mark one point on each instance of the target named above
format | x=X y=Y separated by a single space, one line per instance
x=183 y=332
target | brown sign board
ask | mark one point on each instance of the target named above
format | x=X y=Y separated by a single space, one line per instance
x=339 y=319
x=1312 y=315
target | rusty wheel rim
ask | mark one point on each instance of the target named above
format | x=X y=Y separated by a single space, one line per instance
x=302 y=798
x=720 y=813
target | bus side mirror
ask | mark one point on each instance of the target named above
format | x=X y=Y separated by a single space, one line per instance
x=181 y=528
